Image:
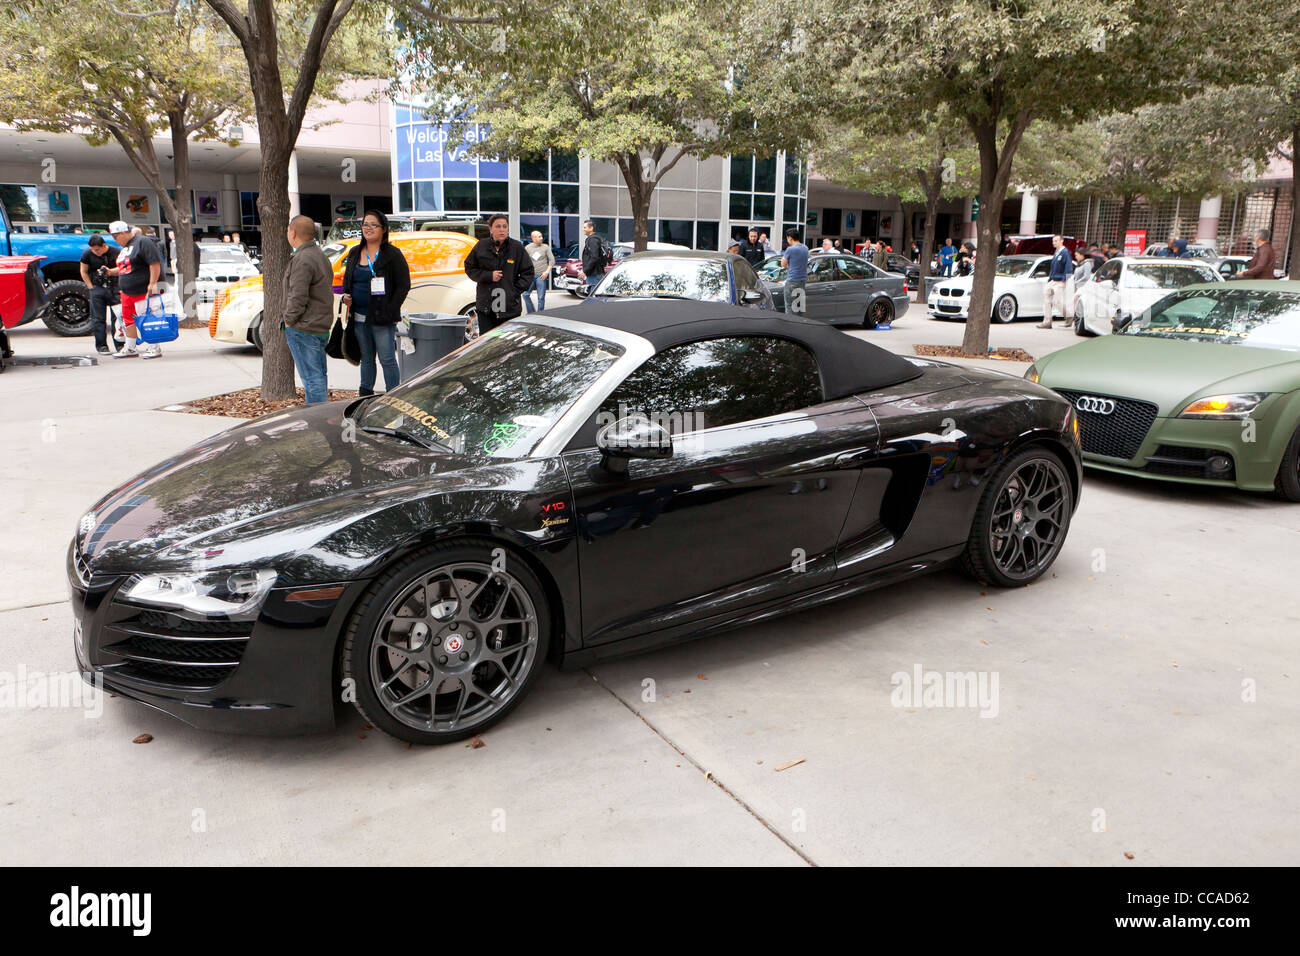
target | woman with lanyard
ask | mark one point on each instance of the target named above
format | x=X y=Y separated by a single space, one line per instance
x=376 y=280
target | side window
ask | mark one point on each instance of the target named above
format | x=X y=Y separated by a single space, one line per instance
x=719 y=382
x=821 y=269
x=854 y=269
x=1042 y=270
x=1109 y=271
x=745 y=275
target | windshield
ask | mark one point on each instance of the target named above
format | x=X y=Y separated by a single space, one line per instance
x=499 y=395
x=1228 y=316
x=1015 y=267
x=1143 y=275
x=701 y=279
x=351 y=228
x=771 y=269
x=222 y=257
x=334 y=250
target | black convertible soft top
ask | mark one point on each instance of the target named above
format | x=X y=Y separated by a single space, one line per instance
x=848 y=364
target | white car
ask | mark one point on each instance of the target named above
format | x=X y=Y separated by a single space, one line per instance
x=221 y=265
x=1017 y=290
x=1129 y=285
x=567 y=278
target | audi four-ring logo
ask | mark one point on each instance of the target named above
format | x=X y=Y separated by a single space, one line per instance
x=1091 y=403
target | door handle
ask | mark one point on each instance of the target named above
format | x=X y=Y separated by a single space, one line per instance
x=854 y=458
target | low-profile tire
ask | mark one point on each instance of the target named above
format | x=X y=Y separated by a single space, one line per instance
x=404 y=644
x=1078 y=324
x=1287 y=482
x=1006 y=308
x=255 y=332
x=470 y=312
x=68 y=311
x=580 y=291
x=1021 y=521
x=879 y=312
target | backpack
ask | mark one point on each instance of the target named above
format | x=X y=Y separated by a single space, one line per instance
x=606 y=251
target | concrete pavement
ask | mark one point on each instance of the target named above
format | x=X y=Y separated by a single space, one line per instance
x=1145 y=698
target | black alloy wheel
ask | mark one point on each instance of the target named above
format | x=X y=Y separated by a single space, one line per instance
x=68 y=311
x=880 y=312
x=1021 y=521
x=447 y=643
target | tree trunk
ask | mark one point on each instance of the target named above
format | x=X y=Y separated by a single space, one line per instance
x=187 y=269
x=1293 y=255
x=639 y=190
x=273 y=211
x=933 y=194
x=995 y=176
x=1125 y=213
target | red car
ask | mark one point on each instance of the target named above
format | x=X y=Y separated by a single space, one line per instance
x=1040 y=245
x=22 y=296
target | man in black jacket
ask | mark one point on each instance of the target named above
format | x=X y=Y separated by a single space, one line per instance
x=504 y=272
x=593 y=255
x=752 y=249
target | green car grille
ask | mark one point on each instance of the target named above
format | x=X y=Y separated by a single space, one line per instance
x=1117 y=435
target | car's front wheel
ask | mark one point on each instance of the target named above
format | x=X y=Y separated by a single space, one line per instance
x=447 y=643
x=1287 y=482
x=1021 y=521
x=1006 y=308
x=67 y=312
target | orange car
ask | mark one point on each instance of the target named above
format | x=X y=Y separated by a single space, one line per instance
x=438 y=284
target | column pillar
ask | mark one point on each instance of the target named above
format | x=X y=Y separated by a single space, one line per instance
x=1207 y=226
x=231 y=214
x=1028 y=212
x=294 y=207
x=968 y=225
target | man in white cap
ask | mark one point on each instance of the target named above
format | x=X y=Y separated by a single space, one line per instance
x=138 y=267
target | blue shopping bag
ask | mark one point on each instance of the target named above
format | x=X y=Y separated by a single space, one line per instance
x=154 y=328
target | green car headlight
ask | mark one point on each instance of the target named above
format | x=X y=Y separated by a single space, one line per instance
x=205 y=595
x=1031 y=373
x=1223 y=406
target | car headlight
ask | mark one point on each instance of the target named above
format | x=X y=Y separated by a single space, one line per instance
x=225 y=595
x=1032 y=374
x=1223 y=406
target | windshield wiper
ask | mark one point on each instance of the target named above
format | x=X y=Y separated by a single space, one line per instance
x=407 y=436
x=670 y=295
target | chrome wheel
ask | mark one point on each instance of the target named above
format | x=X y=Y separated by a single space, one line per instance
x=1005 y=310
x=1029 y=518
x=454 y=647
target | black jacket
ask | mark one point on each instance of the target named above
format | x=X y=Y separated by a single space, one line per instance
x=391 y=265
x=517 y=273
x=753 y=252
x=593 y=260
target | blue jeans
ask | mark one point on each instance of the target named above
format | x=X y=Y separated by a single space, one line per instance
x=539 y=285
x=308 y=353
x=378 y=341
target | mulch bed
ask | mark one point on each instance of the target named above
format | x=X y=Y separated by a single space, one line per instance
x=247 y=403
x=954 y=351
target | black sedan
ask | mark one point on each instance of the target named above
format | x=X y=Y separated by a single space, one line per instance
x=562 y=488
x=704 y=276
x=843 y=290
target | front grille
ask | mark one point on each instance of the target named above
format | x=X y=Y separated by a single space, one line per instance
x=1117 y=435
x=953 y=293
x=1176 y=461
x=954 y=309
x=162 y=649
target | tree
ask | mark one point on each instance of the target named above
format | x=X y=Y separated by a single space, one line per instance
x=287 y=45
x=656 y=84
x=125 y=72
x=1002 y=64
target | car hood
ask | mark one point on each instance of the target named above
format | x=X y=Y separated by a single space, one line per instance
x=273 y=486
x=1166 y=371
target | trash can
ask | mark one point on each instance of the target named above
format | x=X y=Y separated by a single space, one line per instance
x=433 y=334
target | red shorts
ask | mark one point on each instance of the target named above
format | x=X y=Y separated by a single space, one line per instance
x=129 y=311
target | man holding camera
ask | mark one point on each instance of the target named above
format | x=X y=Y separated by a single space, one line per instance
x=98 y=258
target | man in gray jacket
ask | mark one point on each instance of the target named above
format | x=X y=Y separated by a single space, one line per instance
x=308 y=307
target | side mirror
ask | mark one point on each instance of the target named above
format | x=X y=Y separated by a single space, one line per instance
x=1122 y=321
x=751 y=297
x=635 y=436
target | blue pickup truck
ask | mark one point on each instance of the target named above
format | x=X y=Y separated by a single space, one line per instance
x=68 y=311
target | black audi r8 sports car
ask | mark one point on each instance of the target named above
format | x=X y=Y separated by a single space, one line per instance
x=558 y=488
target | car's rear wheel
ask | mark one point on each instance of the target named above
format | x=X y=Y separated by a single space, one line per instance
x=447 y=643
x=880 y=312
x=1287 y=482
x=255 y=331
x=1021 y=521
x=68 y=311
x=1006 y=308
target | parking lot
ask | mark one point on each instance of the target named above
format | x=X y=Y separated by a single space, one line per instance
x=1143 y=703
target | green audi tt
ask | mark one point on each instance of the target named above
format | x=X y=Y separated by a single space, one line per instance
x=1202 y=388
